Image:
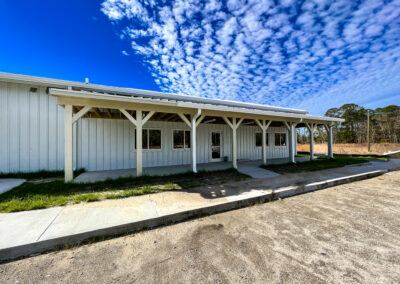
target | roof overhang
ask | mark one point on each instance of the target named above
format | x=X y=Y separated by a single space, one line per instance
x=173 y=105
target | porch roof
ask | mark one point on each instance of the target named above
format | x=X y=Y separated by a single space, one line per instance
x=176 y=104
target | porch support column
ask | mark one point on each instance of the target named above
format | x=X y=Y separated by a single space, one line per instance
x=68 y=159
x=291 y=127
x=292 y=141
x=193 y=123
x=69 y=120
x=329 y=130
x=311 y=129
x=138 y=122
x=139 y=145
x=264 y=126
x=234 y=125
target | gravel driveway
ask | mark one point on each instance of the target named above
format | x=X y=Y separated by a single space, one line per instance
x=344 y=234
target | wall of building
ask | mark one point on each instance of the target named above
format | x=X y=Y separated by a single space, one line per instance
x=31 y=129
x=32 y=137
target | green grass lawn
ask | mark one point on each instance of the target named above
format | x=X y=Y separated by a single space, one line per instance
x=30 y=196
x=321 y=163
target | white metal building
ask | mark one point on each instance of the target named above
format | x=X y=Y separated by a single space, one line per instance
x=48 y=124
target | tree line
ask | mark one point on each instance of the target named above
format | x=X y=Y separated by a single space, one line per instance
x=384 y=125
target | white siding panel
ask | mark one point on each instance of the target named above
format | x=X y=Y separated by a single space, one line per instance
x=4 y=160
x=13 y=128
x=24 y=130
x=29 y=129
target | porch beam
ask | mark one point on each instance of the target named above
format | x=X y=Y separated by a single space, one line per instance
x=68 y=148
x=185 y=120
x=228 y=122
x=147 y=117
x=96 y=111
x=128 y=116
x=80 y=113
x=161 y=116
x=286 y=125
x=200 y=120
x=128 y=105
x=108 y=113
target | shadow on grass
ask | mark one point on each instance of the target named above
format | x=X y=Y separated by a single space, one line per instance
x=30 y=196
x=39 y=174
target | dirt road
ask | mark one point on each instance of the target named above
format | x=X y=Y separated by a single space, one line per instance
x=344 y=234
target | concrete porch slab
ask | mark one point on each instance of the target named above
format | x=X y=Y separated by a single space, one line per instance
x=94 y=176
x=250 y=168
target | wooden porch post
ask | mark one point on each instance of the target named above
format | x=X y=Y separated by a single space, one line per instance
x=264 y=126
x=329 y=129
x=69 y=120
x=292 y=143
x=68 y=156
x=234 y=125
x=290 y=126
x=138 y=122
x=311 y=129
x=193 y=123
x=139 y=145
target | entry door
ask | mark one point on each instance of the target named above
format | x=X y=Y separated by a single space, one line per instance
x=216 y=149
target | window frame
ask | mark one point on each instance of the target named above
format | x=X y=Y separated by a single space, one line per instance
x=184 y=139
x=286 y=141
x=266 y=140
x=148 y=139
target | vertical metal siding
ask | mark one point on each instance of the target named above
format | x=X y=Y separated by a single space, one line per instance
x=32 y=137
x=31 y=129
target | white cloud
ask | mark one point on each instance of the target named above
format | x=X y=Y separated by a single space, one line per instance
x=317 y=55
x=124 y=52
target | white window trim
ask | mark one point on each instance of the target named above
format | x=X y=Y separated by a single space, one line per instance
x=148 y=150
x=286 y=140
x=184 y=136
x=268 y=142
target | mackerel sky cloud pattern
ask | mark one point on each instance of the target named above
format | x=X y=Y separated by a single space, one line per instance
x=306 y=54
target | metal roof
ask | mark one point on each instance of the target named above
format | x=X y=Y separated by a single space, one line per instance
x=140 y=93
x=186 y=104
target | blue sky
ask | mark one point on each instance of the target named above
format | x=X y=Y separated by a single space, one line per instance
x=304 y=54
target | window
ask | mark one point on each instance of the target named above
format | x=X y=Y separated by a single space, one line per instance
x=181 y=139
x=280 y=139
x=151 y=139
x=259 y=139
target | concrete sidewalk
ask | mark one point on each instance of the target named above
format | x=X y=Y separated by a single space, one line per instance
x=7 y=184
x=27 y=232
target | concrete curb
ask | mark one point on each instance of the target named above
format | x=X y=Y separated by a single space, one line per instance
x=47 y=245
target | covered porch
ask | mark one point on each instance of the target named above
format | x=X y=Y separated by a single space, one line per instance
x=139 y=110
